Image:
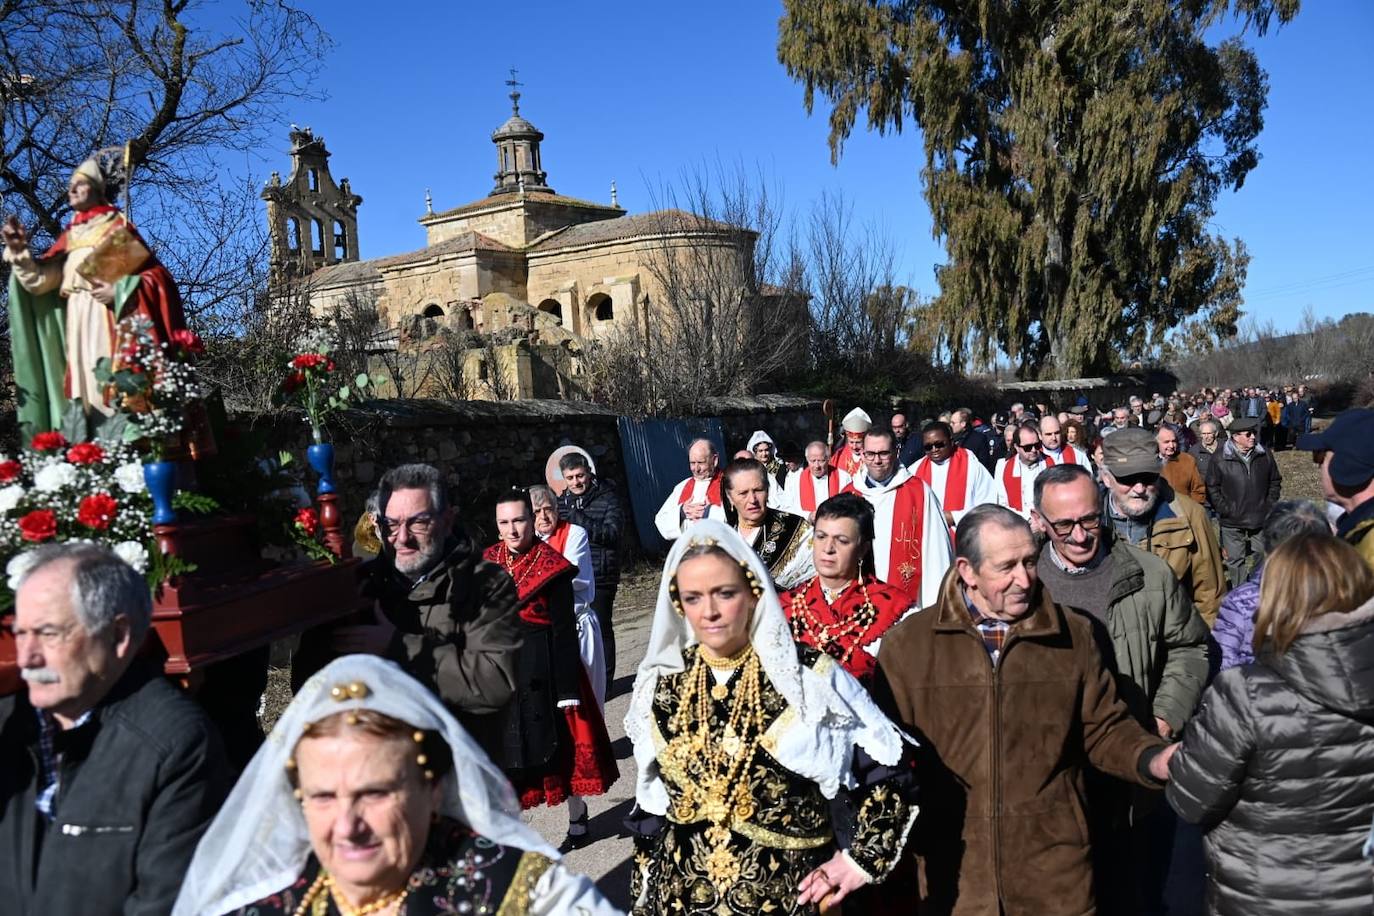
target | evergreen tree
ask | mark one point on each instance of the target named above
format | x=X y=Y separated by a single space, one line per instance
x=1073 y=155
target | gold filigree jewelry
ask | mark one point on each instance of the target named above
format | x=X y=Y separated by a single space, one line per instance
x=386 y=901
x=840 y=639
x=713 y=756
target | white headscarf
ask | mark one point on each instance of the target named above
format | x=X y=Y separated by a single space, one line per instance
x=832 y=711
x=258 y=843
x=760 y=436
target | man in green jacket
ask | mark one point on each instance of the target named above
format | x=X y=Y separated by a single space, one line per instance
x=1156 y=644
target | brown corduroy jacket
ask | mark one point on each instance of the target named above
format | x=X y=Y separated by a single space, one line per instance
x=1002 y=826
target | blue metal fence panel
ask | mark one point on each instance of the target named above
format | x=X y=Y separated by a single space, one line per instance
x=655 y=453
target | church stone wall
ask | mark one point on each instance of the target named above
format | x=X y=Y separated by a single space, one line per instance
x=484 y=448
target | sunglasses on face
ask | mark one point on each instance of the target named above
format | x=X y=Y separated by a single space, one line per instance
x=1137 y=480
x=1034 y=446
x=932 y=446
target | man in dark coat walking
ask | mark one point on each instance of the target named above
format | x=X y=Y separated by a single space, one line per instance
x=592 y=503
x=1243 y=483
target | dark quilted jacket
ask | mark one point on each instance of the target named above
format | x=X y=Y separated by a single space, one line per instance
x=1278 y=765
x=599 y=511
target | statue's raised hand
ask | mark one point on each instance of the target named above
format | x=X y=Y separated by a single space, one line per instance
x=16 y=239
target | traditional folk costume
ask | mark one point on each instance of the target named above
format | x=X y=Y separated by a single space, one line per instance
x=741 y=762
x=804 y=491
x=555 y=742
x=783 y=543
x=960 y=482
x=911 y=547
x=777 y=471
x=571 y=541
x=59 y=331
x=848 y=624
x=1016 y=483
x=256 y=858
x=670 y=519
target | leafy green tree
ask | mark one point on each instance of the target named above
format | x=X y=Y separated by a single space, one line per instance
x=1073 y=156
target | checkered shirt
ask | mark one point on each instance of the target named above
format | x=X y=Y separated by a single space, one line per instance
x=994 y=632
x=50 y=776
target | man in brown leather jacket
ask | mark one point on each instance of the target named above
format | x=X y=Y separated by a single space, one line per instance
x=1010 y=700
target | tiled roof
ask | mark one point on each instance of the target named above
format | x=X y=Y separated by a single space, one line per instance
x=349 y=272
x=657 y=222
x=359 y=271
x=532 y=196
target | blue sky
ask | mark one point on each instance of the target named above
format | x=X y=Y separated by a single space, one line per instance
x=639 y=92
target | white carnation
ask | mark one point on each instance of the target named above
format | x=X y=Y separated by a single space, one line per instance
x=54 y=477
x=10 y=496
x=130 y=477
x=17 y=566
x=133 y=553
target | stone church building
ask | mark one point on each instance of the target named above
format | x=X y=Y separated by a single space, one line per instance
x=564 y=272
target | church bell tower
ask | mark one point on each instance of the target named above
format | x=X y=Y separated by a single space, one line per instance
x=313 y=221
x=519 y=167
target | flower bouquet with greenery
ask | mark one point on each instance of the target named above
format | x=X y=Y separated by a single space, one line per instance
x=313 y=383
x=150 y=384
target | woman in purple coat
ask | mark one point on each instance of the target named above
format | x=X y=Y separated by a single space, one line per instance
x=1234 y=630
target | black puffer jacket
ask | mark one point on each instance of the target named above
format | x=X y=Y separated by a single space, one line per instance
x=1241 y=492
x=599 y=511
x=1279 y=765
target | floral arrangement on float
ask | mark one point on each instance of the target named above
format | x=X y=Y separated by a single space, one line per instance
x=312 y=383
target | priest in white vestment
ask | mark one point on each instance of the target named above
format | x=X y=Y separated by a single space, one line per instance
x=1015 y=474
x=911 y=549
x=955 y=474
x=695 y=498
x=1056 y=449
x=813 y=483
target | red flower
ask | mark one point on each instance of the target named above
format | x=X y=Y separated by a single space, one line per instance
x=38 y=526
x=48 y=442
x=188 y=341
x=308 y=521
x=9 y=470
x=292 y=382
x=85 y=453
x=312 y=361
x=96 y=511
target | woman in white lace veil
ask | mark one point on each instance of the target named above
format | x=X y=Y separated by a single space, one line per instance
x=259 y=847
x=740 y=746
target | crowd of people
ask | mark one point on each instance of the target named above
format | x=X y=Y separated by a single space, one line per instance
x=1051 y=662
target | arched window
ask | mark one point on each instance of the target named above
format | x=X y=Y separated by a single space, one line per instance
x=601 y=308
x=317 y=236
x=293 y=234
x=313 y=176
x=340 y=240
x=433 y=310
x=552 y=307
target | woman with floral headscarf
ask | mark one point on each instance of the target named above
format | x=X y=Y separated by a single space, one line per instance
x=745 y=744
x=368 y=797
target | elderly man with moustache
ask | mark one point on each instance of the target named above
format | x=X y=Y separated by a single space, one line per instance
x=108 y=773
x=1010 y=700
x=695 y=498
x=1143 y=510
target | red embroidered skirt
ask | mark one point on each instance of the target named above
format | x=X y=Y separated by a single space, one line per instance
x=584 y=763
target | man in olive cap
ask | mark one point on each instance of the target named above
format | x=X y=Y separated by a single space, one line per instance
x=1243 y=483
x=1144 y=510
x=1345 y=452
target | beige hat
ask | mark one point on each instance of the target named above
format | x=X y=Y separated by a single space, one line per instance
x=90 y=170
x=856 y=421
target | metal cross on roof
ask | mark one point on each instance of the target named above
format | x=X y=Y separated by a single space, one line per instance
x=514 y=85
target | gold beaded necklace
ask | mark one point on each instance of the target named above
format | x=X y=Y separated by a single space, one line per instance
x=804 y=621
x=714 y=787
x=324 y=884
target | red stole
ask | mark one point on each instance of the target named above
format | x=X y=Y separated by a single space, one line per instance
x=847 y=461
x=1012 y=482
x=558 y=539
x=808 y=489
x=712 y=491
x=908 y=529
x=1066 y=456
x=890 y=603
x=956 y=481
x=532 y=571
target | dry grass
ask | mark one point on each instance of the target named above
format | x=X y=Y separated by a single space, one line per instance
x=1300 y=477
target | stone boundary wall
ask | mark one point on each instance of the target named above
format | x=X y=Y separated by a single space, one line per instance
x=486 y=447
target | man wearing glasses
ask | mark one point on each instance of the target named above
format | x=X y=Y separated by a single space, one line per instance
x=1159 y=658
x=1243 y=483
x=442 y=612
x=1016 y=473
x=911 y=547
x=960 y=482
x=1143 y=509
